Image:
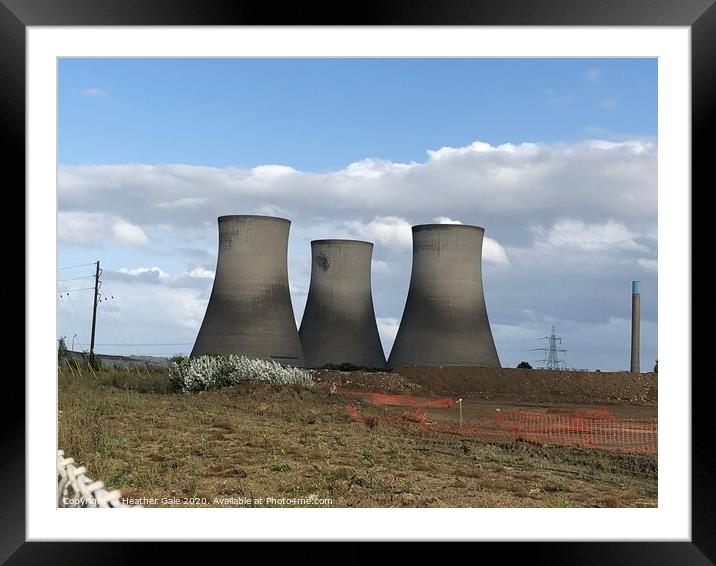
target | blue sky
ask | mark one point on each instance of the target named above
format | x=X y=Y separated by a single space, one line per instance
x=556 y=158
x=321 y=114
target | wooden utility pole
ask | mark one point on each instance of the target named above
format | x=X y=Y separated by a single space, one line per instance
x=94 y=314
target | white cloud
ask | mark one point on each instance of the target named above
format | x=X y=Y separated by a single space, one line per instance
x=591 y=180
x=94 y=91
x=379 y=266
x=493 y=252
x=150 y=309
x=447 y=151
x=592 y=74
x=478 y=147
x=389 y=231
x=445 y=220
x=396 y=234
x=198 y=278
x=298 y=290
x=388 y=328
x=272 y=171
x=187 y=202
x=91 y=228
x=637 y=147
x=373 y=168
x=649 y=264
x=272 y=210
x=589 y=237
x=139 y=271
x=81 y=227
x=201 y=273
x=128 y=233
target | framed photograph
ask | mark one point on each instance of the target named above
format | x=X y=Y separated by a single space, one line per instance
x=409 y=276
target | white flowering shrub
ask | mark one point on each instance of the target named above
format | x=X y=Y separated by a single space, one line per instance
x=211 y=372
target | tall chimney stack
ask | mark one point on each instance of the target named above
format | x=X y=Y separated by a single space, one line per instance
x=635 y=330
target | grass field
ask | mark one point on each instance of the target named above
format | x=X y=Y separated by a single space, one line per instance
x=262 y=441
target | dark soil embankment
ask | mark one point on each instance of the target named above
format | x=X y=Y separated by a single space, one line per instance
x=384 y=381
x=535 y=385
x=505 y=384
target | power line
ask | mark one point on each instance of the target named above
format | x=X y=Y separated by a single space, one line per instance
x=75 y=266
x=76 y=278
x=59 y=320
x=124 y=332
x=112 y=310
x=70 y=309
x=80 y=289
x=64 y=306
x=108 y=309
x=81 y=344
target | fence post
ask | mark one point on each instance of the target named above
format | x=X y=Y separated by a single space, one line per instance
x=460 y=402
x=90 y=363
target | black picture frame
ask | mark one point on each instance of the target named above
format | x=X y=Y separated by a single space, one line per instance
x=17 y=15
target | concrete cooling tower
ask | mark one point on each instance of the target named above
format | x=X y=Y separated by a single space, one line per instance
x=250 y=311
x=445 y=319
x=339 y=324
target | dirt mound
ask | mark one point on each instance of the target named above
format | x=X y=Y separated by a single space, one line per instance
x=509 y=384
x=388 y=382
x=534 y=385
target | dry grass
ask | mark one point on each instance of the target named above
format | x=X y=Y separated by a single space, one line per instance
x=263 y=441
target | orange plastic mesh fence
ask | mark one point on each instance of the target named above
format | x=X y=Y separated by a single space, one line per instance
x=352 y=412
x=588 y=428
x=598 y=413
x=396 y=400
x=573 y=429
x=410 y=401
